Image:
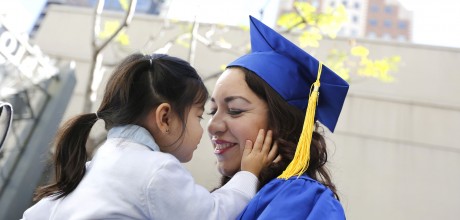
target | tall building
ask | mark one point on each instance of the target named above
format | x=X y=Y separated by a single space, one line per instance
x=357 y=12
x=376 y=19
x=387 y=19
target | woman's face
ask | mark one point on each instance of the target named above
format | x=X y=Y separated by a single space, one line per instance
x=237 y=115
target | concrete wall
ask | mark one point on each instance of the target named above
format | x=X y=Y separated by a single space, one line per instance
x=394 y=154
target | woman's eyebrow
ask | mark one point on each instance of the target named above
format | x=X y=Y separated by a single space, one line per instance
x=231 y=98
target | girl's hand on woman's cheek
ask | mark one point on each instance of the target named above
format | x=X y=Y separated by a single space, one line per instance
x=260 y=155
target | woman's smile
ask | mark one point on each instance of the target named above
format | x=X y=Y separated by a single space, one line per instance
x=221 y=146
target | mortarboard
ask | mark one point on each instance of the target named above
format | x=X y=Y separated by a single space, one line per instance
x=296 y=76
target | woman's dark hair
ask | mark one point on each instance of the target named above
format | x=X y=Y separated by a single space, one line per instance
x=286 y=122
x=138 y=84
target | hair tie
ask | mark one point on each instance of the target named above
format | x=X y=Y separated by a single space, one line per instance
x=97 y=116
x=156 y=56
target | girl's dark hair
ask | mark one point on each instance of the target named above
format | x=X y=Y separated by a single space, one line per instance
x=286 y=122
x=138 y=84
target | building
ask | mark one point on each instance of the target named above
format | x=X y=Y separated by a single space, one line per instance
x=374 y=19
x=387 y=19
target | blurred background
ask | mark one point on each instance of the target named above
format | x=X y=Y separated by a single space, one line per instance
x=394 y=152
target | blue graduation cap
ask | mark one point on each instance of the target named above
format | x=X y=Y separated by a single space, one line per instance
x=296 y=76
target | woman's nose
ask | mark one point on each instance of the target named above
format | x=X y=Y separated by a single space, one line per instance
x=216 y=125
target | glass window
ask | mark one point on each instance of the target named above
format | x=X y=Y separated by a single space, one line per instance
x=388 y=9
x=357 y=5
x=374 y=8
x=373 y=22
x=372 y=35
x=387 y=23
x=355 y=19
x=354 y=32
x=402 y=38
x=402 y=25
x=386 y=36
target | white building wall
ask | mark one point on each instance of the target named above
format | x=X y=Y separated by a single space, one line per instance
x=394 y=154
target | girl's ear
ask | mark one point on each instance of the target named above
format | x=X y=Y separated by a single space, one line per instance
x=163 y=117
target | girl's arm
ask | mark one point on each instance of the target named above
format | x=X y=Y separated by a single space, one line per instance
x=173 y=194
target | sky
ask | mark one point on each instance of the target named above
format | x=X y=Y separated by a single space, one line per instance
x=434 y=22
x=21 y=14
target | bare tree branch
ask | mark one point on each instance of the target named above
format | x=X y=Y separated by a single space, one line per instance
x=192 y=51
x=97 y=55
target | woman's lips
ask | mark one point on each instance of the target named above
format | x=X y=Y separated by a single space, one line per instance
x=221 y=147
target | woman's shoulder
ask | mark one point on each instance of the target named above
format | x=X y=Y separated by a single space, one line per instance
x=301 y=190
x=302 y=187
x=298 y=181
x=295 y=198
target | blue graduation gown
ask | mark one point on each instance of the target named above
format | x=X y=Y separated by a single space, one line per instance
x=294 y=198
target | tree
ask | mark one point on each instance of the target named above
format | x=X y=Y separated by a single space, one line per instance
x=313 y=25
x=305 y=19
x=108 y=35
x=113 y=30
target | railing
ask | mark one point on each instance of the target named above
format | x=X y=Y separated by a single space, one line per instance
x=6 y=117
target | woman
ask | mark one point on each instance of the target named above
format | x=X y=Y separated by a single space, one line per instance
x=269 y=89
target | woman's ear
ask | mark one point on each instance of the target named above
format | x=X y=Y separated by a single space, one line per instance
x=163 y=117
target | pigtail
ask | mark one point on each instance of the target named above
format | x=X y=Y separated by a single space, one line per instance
x=70 y=156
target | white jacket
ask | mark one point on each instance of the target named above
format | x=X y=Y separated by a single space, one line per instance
x=129 y=178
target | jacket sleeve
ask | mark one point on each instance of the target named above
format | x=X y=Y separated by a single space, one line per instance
x=173 y=194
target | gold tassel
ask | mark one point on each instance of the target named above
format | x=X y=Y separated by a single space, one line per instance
x=301 y=160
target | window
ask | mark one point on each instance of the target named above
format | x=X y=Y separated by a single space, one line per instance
x=386 y=36
x=355 y=19
x=373 y=22
x=387 y=23
x=357 y=5
x=402 y=38
x=372 y=35
x=374 y=8
x=354 y=32
x=402 y=25
x=388 y=9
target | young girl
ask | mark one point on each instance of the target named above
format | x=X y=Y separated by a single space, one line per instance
x=152 y=109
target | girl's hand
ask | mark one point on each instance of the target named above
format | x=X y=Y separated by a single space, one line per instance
x=259 y=156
